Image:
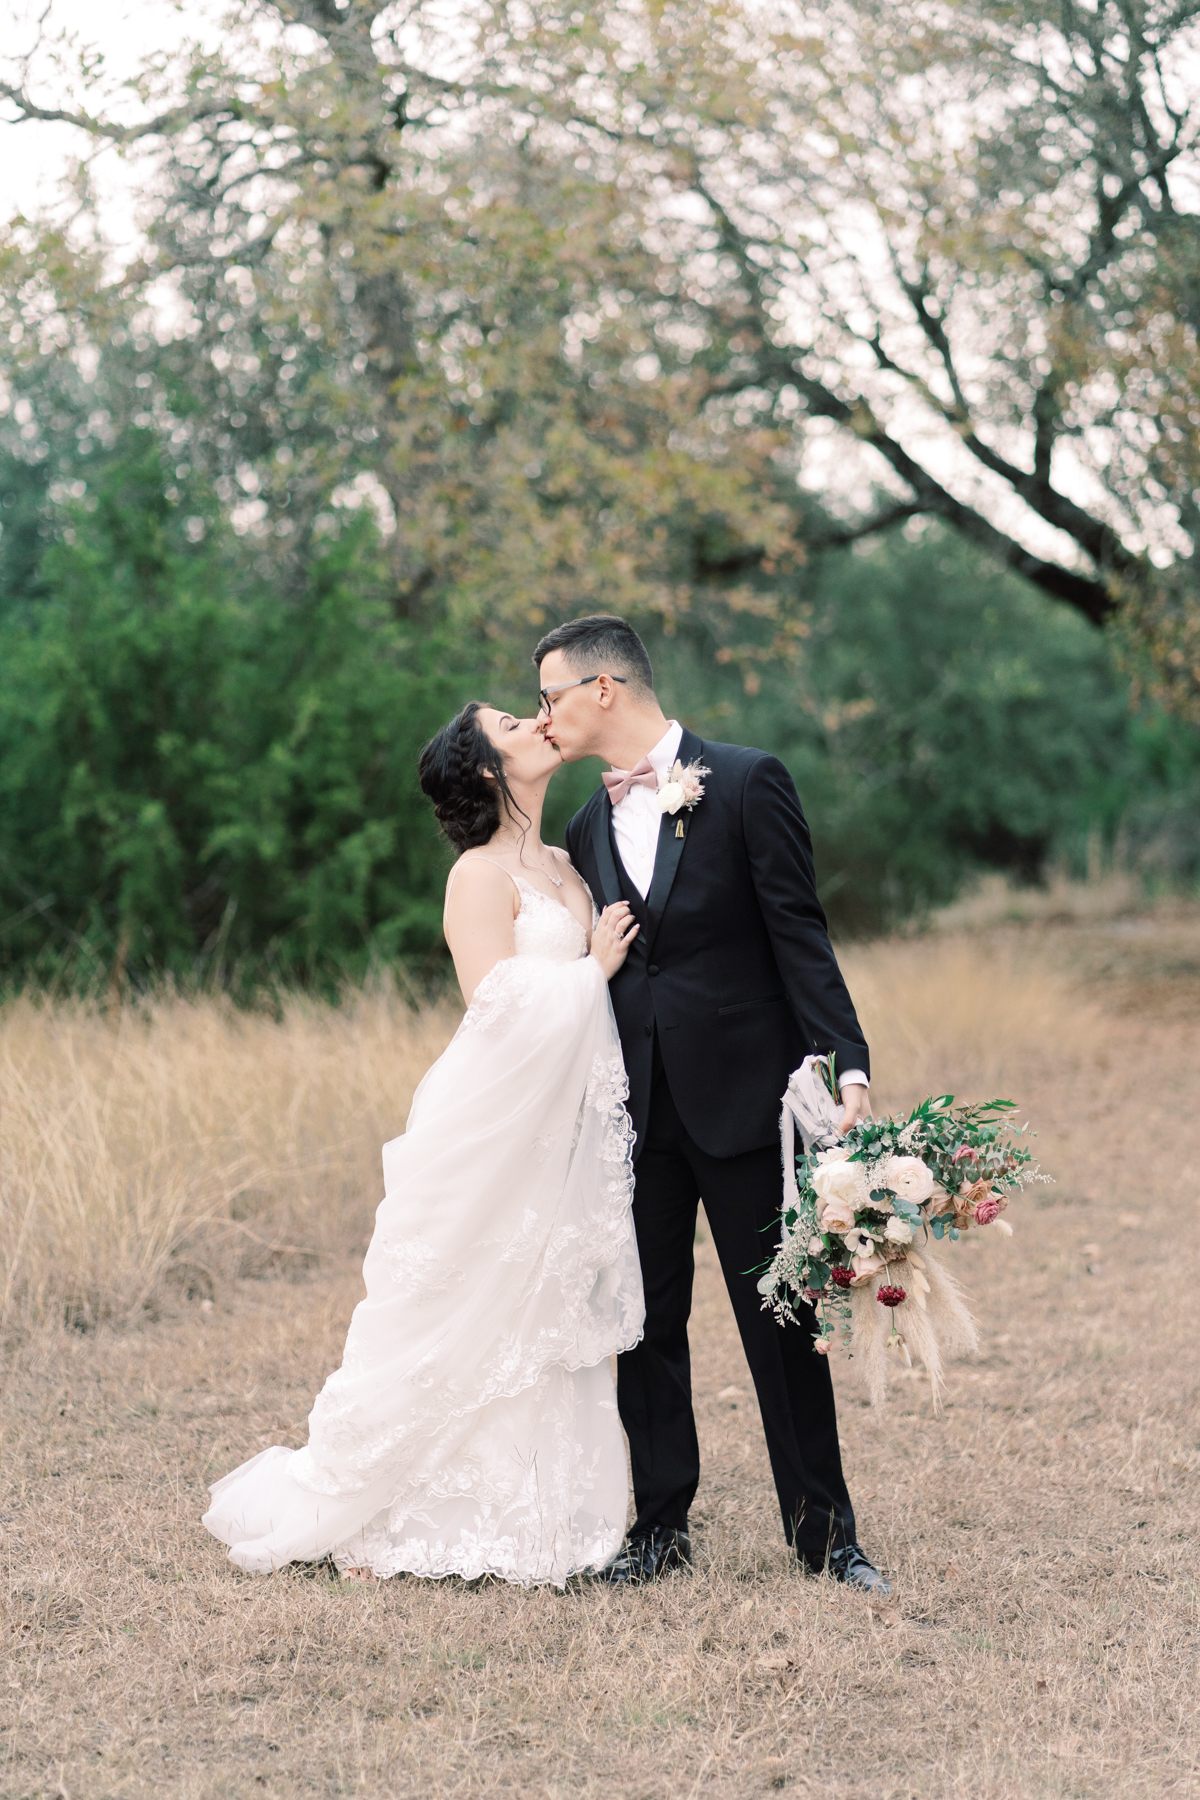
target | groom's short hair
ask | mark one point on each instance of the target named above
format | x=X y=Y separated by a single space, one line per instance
x=601 y=644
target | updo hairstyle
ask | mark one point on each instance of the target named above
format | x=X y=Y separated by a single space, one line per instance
x=451 y=770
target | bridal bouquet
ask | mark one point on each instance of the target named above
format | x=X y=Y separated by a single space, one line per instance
x=858 y=1213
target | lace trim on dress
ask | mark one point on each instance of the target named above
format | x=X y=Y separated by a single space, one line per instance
x=498 y=996
x=493 y=1514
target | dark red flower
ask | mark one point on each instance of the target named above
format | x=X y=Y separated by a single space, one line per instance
x=841 y=1277
x=891 y=1296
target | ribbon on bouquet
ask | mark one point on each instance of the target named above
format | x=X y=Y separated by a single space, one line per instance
x=808 y=1103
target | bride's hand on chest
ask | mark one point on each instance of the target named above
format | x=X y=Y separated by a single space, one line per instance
x=615 y=931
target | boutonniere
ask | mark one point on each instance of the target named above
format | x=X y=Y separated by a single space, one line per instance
x=682 y=788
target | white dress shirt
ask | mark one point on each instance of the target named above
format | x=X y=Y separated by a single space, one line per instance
x=637 y=819
x=636 y=822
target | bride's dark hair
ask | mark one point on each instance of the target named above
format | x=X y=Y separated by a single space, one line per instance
x=451 y=768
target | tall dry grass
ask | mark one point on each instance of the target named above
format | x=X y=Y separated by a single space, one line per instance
x=985 y=1016
x=176 y=1144
x=1041 y=1532
x=179 y=1142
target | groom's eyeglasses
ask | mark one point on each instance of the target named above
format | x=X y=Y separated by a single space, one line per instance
x=545 y=695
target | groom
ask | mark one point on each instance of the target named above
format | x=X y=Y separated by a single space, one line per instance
x=730 y=983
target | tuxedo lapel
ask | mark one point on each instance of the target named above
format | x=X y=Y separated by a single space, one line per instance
x=672 y=836
x=602 y=850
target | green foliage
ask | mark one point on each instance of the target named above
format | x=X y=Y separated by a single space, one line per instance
x=952 y=720
x=217 y=665
x=208 y=768
x=195 y=768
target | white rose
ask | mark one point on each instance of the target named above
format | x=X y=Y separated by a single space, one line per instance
x=909 y=1177
x=670 y=796
x=816 y=1247
x=843 y=1181
x=898 y=1231
x=839 y=1153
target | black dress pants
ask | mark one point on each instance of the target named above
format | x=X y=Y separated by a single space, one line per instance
x=654 y=1383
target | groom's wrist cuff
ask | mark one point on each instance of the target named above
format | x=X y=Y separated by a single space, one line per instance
x=853 y=1078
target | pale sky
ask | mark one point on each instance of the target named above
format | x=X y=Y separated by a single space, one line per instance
x=35 y=157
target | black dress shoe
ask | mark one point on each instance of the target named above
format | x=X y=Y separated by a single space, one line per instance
x=648 y=1555
x=850 y=1565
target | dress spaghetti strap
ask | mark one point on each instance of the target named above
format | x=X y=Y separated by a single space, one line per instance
x=518 y=881
x=487 y=859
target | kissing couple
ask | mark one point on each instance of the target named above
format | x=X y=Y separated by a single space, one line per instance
x=534 y=1223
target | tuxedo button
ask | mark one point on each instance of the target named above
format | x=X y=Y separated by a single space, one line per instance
x=653 y=970
x=649 y=1031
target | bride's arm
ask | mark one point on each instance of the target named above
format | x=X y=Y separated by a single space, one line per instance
x=481 y=905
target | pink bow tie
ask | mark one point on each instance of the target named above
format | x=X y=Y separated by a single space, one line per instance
x=619 y=781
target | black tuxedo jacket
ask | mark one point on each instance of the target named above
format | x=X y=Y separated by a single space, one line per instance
x=732 y=967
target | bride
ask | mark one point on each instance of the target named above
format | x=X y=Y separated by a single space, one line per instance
x=472 y=1427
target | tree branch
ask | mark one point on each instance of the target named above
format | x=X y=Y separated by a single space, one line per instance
x=1034 y=486
x=162 y=125
x=778 y=367
x=838 y=536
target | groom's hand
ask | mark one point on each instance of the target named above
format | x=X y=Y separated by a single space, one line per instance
x=856 y=1104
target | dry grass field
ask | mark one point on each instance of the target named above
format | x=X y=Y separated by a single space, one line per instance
x=185 y=1197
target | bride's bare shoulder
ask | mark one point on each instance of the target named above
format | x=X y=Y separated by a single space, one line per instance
x=476 y=881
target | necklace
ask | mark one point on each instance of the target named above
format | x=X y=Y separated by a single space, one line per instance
x=557 y=880
x=550 y=876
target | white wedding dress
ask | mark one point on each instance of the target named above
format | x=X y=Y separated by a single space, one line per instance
x=472 y=1427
